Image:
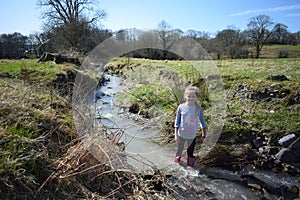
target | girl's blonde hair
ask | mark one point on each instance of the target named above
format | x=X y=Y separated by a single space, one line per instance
x=197 y=93
x=193 y=89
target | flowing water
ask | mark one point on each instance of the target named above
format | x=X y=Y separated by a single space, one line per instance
x=144 y=153
x=140 y=139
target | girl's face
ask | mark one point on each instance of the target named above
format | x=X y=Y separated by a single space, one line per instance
x=190 y=97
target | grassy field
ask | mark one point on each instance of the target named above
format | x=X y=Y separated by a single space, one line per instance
x=31 y=70
x=275 y=114
x=254 y=69
x=283 y=51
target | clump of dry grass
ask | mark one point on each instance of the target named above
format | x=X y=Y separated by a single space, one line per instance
x=32 y=132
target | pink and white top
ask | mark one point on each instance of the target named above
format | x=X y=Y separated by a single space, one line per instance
x=187 y=122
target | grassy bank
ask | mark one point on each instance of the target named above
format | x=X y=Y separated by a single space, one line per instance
x=36 y=124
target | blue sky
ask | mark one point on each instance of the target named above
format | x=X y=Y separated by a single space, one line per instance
x=203 y=15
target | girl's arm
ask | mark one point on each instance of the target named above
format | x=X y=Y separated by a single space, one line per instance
x=202 y=120
x=176 y=134
x=177 y=123
x=203 y=124
x=203 y=134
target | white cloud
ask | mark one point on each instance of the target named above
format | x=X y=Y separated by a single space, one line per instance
x=274 y=9
x=294 y=15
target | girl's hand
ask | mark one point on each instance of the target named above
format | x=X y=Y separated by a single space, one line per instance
x=203 y=134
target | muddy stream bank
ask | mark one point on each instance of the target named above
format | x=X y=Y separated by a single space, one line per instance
x=200 y=182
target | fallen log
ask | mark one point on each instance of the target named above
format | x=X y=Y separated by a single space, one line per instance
x=58 y=58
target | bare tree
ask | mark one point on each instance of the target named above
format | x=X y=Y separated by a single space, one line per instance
x=168 y=36
x=198 y=35
x=259 y=31
x=130 y=34
x=230 y=42
x=202 y=37
x=39 y=43
x=280 y=32
x=120 y=35
x=69 y=21
x=63 y=12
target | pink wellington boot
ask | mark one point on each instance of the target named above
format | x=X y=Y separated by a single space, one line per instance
x=177 y=159
x=190 y=161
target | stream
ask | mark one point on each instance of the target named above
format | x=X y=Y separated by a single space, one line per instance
x=199 y=182
x=143 y=153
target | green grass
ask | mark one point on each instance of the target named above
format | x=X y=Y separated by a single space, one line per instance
x=154 y=99
x=259 y=68
x=32 y=71
x=14 y=66
x=287 y=47
x=276 y=116
x=272 y=117
x=22 y=132
x=157 y=84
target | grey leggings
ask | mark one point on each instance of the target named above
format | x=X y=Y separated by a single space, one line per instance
x=191 y=146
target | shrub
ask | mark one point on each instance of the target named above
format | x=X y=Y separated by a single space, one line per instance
x=283 y=53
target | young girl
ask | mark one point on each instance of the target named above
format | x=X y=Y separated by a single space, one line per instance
x=186 y=124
